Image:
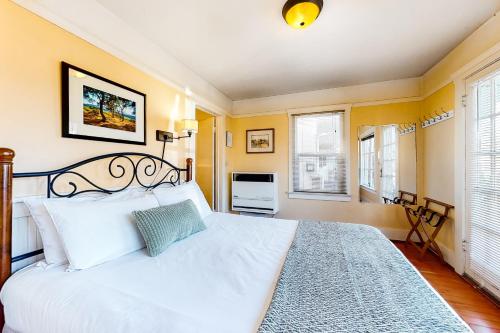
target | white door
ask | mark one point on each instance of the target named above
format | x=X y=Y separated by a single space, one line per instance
x=483 y=179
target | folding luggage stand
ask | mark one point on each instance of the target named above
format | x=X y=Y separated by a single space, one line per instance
x=426 y=216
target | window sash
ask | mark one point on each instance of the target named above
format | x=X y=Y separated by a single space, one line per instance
x=318 y=155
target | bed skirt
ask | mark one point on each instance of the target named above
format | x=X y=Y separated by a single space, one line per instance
x=340 y=277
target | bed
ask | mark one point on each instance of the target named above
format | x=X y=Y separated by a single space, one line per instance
x=241 y=274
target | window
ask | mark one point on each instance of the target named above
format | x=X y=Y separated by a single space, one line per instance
x=318 y=153
x=367 y=170
x=389 y=162
x=483 y=183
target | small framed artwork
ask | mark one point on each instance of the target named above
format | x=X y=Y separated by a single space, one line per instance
x=95 y=108
x=229 y=139
x=260 y=141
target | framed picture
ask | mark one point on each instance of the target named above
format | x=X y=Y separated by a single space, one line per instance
x=229 y=139
x=260 y=141
x=95 y=108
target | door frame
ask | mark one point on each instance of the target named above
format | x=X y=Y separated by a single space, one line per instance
x=459 y=78
x=218 y=188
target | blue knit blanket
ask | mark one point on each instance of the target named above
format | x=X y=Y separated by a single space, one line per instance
x=340 y=277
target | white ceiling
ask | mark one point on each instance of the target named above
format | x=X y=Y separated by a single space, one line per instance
x=245 y=49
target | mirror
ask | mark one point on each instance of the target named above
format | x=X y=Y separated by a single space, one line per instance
x=387 y=163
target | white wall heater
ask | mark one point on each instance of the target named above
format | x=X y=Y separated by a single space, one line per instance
x=255 y=192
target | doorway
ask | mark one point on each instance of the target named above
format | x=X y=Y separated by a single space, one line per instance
x=482 y=222
x=205 y=170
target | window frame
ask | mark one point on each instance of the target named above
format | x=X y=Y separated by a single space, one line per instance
x=346 y=108
x=370 y=136
x=383 y=159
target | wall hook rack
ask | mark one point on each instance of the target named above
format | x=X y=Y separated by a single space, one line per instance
x=437 y=119
x=407 y=129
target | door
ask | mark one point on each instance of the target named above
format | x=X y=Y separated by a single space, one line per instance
x=482 y=243
x=205 y=155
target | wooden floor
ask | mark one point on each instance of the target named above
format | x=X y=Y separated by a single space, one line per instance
x=477 y=310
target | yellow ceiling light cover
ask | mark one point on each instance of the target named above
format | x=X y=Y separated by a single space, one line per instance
x=301 y=13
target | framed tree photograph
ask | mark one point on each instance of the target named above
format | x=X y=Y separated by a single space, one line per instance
x=95 y=108
x=260 y=141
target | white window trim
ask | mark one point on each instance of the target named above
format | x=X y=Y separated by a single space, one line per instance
x=360 y=140
x=346 y=108
x=459 y=79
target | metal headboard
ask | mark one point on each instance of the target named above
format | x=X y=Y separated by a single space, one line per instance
x=133 y=168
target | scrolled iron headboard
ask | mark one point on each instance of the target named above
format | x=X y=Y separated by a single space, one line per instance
x=130 y=166
x=120 y=166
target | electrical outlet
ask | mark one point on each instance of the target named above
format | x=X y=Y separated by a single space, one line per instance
x=164 y=136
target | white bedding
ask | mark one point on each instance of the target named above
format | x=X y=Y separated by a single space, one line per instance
x=219 y=280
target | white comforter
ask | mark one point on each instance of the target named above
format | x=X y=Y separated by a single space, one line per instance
x=219 y=280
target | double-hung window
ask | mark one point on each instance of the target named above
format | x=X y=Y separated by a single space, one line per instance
x=367 y=170
x=318 y=161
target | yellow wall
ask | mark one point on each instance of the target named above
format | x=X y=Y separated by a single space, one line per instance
x=435 y=163
x=30 y=85
x=353 y=211
x=204 y=157
x=439 y=155
x=439 y=140
x=484 y=38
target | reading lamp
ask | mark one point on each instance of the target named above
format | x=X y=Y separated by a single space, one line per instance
x=189 y=126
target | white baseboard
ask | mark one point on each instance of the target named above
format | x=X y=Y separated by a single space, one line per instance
x=400 y=235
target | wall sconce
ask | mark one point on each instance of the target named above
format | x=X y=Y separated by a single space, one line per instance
x=189 y=126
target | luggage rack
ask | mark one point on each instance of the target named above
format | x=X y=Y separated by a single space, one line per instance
x=404 y=198
x=423 y=218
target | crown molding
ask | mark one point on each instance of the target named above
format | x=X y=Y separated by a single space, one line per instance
x=321 y=107
x=365 y=94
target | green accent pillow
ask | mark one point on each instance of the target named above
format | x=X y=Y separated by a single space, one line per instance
x=162 y=226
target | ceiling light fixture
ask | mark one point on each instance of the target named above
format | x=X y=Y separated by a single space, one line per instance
x=300 y=14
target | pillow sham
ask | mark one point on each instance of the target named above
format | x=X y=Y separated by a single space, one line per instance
x=53 y=248
x=175 y=194
x=164 y=225
x=98 y=231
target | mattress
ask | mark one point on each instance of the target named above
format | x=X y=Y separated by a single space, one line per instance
x=219 y=280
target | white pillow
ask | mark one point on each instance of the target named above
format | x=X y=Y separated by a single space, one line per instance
x=175 y=194
x=53 y=249
x=94 y=232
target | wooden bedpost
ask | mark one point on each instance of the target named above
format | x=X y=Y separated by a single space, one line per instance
x=6 y=158
x=189 y=171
